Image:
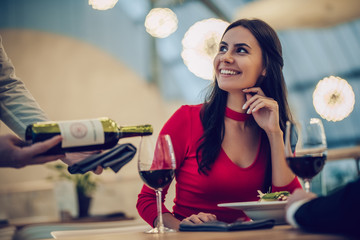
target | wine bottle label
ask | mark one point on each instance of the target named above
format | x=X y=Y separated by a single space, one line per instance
x=81 y=133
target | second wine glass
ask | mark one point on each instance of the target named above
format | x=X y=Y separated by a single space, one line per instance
x=305 y=148
x=156 y=166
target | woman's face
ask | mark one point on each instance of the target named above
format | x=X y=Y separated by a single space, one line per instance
x=239 y=63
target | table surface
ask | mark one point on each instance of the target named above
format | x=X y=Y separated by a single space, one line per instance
x=278 y=232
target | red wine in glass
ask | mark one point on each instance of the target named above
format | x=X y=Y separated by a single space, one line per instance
x=157 y=178
x=156 y=166
x=306 y=167
x=305 y=148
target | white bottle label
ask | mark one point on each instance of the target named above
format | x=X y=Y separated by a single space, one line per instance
x=81 y=133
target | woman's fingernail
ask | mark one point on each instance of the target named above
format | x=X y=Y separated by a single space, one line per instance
x=248 y=111
x=244 y=106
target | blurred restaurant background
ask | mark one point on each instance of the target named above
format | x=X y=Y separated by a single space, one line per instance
x=138 y=61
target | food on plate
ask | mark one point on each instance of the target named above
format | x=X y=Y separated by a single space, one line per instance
x=274 y=196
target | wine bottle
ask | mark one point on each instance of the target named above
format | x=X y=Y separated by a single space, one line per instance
x=83 y=135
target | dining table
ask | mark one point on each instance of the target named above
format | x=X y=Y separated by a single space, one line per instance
x=138 y=233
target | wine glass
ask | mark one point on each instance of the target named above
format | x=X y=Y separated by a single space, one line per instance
x=156 y=166
x=305 y=148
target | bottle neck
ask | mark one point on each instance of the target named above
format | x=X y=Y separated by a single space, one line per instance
x=134 y=131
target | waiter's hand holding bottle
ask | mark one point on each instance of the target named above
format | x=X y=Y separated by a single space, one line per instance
x=16 y=153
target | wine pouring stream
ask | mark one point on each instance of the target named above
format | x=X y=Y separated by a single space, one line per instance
x=305 y=148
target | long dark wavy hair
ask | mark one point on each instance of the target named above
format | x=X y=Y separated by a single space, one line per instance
x=272 y=84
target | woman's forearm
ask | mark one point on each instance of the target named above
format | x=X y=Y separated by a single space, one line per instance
x=169 y=221
x=281 y=173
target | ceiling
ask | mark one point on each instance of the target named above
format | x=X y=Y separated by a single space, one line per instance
x=291 y=14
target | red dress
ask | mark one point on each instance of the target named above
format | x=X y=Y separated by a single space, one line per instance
x=225 y=182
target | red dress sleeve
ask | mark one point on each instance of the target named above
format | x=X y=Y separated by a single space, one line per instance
x=179 y=129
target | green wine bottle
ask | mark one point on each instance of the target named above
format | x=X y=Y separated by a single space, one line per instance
x=83 y=135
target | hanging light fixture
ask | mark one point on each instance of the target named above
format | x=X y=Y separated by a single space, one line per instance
x=200 y=45
x=333 y=98
x=161 y=22
x=102 y=4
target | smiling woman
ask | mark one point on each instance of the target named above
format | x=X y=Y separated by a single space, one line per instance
x=231 y=145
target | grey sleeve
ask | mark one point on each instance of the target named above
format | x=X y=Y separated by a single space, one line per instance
x=18 y=108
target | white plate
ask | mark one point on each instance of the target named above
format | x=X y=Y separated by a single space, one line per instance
x=261 y=210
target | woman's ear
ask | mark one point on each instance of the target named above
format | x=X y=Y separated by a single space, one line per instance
x=263 y=73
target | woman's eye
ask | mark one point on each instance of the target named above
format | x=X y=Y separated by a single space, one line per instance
x=222 y=49
x=241 y=50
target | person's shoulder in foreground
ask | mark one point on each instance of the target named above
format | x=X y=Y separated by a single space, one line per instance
x=337 y=212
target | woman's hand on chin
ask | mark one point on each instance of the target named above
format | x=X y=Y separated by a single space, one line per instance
x=265 y=110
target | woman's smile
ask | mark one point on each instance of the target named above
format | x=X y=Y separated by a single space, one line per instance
x=229 y=72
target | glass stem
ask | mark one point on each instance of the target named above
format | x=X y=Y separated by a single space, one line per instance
x=160 y=223
x=307 y=185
